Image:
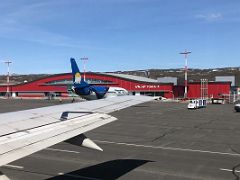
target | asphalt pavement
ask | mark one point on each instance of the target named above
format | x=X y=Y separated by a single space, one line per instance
x=154 y=140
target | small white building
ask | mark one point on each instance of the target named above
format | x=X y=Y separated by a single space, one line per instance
x=168 y=80
x=226 y=79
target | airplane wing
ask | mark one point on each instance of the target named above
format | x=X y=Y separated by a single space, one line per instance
x=25 y=132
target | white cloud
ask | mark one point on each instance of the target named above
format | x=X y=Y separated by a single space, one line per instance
x=210 y=17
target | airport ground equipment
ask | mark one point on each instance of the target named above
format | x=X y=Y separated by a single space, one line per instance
x=197 y=103
x=237 y=106
x=218 y=101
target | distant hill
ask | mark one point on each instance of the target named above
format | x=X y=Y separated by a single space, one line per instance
x=16 y=79
x=193 y=74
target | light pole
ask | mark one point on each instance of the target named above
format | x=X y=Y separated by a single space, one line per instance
x=84 y=59
x=8 y=62
x=185 y=53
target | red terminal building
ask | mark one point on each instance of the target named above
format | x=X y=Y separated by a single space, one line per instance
x=59 y=84
x=213 y=90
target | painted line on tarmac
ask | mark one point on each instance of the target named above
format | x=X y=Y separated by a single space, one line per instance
x=13 y=166
x=229 y=170
x=61 y=150
x=77 y=176
x=168 y=148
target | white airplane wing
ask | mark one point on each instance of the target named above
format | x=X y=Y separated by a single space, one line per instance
x=25 y=132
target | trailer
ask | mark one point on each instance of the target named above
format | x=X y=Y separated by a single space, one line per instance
x=197 y=103
x=218 y=101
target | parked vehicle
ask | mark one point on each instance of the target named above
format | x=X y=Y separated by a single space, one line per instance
x=218 y=101
x=197 y=103
x=237 y=106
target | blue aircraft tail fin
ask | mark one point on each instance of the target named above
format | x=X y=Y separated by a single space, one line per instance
x=77 y=78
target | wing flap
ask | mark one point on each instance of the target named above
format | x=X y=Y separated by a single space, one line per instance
x=21 y=144
x=28 y=119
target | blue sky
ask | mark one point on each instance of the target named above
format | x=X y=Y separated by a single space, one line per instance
x=41 y=36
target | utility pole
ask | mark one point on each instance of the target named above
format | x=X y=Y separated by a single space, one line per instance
x=185 y=53
x=84 y=59
x=8 y=62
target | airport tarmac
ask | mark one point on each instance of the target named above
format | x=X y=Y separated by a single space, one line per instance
x=154 y=140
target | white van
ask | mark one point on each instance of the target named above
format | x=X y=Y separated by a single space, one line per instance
x=197 y=103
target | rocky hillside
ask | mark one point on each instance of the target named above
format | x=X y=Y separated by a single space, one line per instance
x=193 y=74
x=16 y=79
